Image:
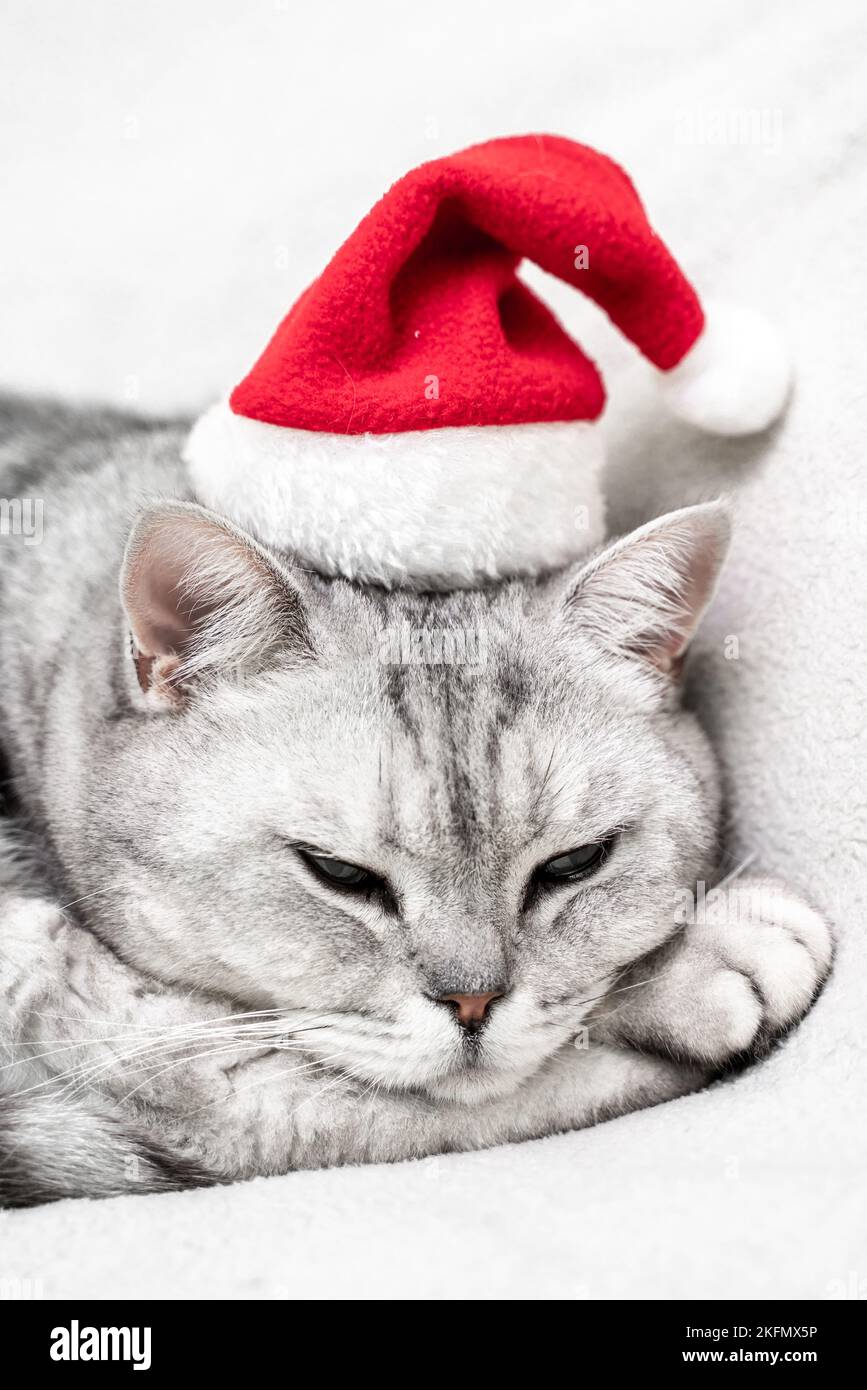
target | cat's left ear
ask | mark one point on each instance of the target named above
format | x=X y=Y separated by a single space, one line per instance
x=203 y=599
x=644 y=596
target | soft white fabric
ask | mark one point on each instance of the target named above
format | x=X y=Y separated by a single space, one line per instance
x=753 y=1188
x=439 y=509
x=736 y=377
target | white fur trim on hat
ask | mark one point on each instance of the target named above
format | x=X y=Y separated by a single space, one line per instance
x=439 y=508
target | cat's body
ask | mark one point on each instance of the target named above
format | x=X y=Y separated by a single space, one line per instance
x=208 y=1003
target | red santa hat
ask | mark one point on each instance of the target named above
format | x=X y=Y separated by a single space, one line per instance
x=420 y=417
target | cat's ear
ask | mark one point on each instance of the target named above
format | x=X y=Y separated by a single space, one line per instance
x=203 y=599
x=644 y=596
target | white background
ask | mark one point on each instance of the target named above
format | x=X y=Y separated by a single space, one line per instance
x=173 y=174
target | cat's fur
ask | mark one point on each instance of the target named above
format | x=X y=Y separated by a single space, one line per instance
x=181 y=1000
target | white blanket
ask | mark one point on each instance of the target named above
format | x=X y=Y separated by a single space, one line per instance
x=175 y=176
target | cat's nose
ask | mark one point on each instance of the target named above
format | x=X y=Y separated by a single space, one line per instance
x=471 y=1009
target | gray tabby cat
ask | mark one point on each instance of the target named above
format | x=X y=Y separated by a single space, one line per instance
x=297 y=873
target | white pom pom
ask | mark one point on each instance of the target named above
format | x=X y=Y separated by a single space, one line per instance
x=735 y=379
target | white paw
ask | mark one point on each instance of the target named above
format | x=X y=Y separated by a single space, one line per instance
x=741 y=974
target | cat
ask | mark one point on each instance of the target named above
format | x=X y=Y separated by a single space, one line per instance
x=298 y=873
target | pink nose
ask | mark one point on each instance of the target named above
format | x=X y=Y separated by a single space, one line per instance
x=471 y=1008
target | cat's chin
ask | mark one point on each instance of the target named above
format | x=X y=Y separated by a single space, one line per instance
x=470 y=1086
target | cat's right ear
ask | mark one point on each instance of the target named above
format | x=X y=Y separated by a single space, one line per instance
x=644 y=596
x=203 y=599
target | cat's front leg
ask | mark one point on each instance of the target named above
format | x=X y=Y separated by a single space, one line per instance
x=314 y=1121
x=741 y=973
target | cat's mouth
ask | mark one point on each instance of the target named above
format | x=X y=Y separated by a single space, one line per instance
x=476 y=1080
x=477 y=1072
x=422 y=1051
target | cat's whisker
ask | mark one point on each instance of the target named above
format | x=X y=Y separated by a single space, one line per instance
x=71 y=1089
x=97 y=893
x=308 y=1100
x=231 y=1049
x=365 y=1044
x=639 y=984
x=71 y=1044
x=623 y=989
x=76 y=1080
x=174 y=1032
x=79 y=1074
x=263 y=1080
x=735 y=872
x=594 y=998
x=232 y=1037
x=151 y=1055
x=206 y=1021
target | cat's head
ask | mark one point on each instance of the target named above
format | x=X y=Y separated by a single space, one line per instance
x=433 y=828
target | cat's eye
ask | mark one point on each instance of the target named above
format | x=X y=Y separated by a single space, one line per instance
x=574 y=864
x=346 y=877
x=338 y=871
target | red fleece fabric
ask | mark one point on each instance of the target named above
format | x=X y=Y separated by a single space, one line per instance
x=420 y=320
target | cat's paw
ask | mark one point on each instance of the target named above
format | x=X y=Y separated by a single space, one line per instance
x=740 y=975
x=31 y=929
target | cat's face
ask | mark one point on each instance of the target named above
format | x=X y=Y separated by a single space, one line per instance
x=514 y=800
